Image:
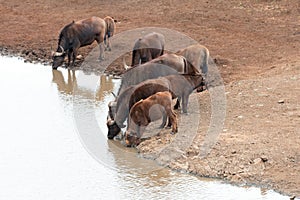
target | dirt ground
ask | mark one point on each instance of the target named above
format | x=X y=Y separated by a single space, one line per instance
x=255 y=44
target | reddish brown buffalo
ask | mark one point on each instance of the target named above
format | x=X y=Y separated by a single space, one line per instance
x=76 y=35
x=146 y=111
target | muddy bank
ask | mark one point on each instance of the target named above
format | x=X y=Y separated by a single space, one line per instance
x=259 y=143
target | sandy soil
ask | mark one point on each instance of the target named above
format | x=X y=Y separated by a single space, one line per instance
x=255 y=44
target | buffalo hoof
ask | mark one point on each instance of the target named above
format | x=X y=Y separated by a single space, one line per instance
x=201 y=89
x=109 y=49
x=101 y=58
x=172 y=133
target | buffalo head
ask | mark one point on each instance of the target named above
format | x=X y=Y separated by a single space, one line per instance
x=113 y=128
x=132 y=139
x=58 y=57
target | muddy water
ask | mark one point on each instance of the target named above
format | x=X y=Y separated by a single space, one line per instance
x=53 y=144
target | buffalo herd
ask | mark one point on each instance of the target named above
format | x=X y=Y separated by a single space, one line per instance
x=148 y=85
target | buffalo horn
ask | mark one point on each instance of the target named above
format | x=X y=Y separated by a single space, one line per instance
x=60 y=53
x=124 y=64
x=110 y=122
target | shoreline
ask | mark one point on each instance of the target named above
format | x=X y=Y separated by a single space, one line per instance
x=190 y=163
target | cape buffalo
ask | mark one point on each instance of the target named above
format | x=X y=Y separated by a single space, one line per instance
x=110 y=31
x=197 y=55
x=146 y=111
x=147 y=48
x=162 y=66
x=76 y=35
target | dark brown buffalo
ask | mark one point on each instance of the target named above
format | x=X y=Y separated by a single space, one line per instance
x=148 y=110
x=164 y=65
x=147 y=48
x=76 y=35
x=181 y=86
x=109 y=31
x=197 y=55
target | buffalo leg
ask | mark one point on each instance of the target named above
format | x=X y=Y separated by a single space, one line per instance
x=100 y=41
x=185 y=100
x=101 y=47
x=74 y=57
x=169 y=123
x=164 y=121
x=173 y=119
x=69 y=57
x=108 y=42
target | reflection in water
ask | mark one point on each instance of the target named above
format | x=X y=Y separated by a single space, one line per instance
x=106 y=87
x=43 y=158
x=65 y=87
x=69 y=84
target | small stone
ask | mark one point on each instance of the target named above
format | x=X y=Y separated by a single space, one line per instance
x=240 y=117
x=264 y=158
x=281 y=101
x=256 y=161
x=79 y=57
x=233 y=151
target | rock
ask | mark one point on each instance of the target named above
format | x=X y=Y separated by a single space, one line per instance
x=281 y=101
x=264 y=158
x=79 y=57
x=256 y=161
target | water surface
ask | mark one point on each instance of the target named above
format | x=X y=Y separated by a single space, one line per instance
x=50 y=147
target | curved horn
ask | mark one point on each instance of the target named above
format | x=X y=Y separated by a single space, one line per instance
x=60 y=53
x=124 y=64
x=110 y=122
x=114 y=94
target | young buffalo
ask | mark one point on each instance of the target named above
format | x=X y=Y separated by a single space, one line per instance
x=149 y=110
